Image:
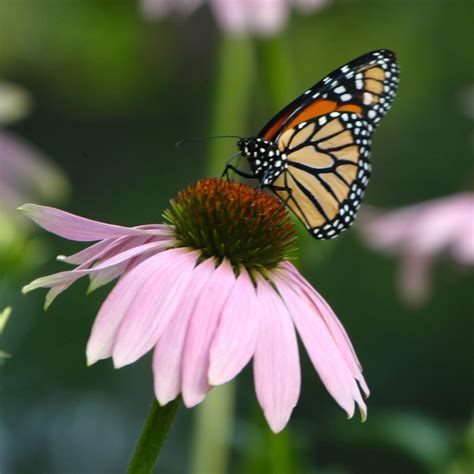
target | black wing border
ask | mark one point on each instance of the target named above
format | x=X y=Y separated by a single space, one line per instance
x=322 y=86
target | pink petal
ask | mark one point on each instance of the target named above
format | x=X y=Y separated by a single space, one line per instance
x=109 y=247
x=436 y=228
x=201 y=330
x=232 y=16
x=89 y=253
x=236 y=336
x=104 y=275
x=322 y=349
x=153 y=307
x=66 y=278
x=244 y=16
x=267 y=21
x=118 y=246
x=168 y=354
x=334 y=325
x=463 y=246
x=25 y=173
x=74 y=227
x=162 y=228
x=116 y=305
x=423 y=229
x=414 y=279
x=276 y=360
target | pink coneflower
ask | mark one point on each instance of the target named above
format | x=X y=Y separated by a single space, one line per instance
x=238 y=17
x=208 y=292
x=420 y=232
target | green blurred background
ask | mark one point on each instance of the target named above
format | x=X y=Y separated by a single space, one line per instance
x=112 y=94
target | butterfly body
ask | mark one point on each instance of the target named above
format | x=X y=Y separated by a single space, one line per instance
x=314 y=154
x=266 y=160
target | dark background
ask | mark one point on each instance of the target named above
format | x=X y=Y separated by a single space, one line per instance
x=113 y=92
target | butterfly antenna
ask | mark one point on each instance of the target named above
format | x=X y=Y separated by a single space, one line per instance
x=195 y=139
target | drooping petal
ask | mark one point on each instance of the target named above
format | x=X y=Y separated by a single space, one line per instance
x=105 y=271
x=201 y=330
x=236 y=336
x=168 y=353
x=105 y=276
x=72 y=227
x=89 y=253
x=153 y=307
x=413 y=280
x=118 y=246
x=26 y=173
x=276 y=360
x=334 y=325
x=66 y=278
x=116 y=305
x=109 y=247
x=321 y=347
x=463 y=245
x=387 y=231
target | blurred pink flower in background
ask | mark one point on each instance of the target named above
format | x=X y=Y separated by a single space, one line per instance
x=25 y=173
x=238 y=17
x=420 y=232
x=206 y=316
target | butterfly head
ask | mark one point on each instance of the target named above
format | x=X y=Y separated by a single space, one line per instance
x=264 y=157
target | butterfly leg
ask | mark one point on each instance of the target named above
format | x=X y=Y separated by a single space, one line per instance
x=236 y=171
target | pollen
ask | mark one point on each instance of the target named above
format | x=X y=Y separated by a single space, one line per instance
x=228 y=219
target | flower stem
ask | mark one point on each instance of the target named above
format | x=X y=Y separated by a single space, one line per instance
x=213 y=430
x=153 y=437
x=275 y=58
x=233 y=91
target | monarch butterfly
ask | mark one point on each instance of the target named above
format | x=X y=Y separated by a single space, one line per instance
x=314 y=154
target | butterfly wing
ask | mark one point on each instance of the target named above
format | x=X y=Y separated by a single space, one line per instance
x=365 y=86
x=327 y=171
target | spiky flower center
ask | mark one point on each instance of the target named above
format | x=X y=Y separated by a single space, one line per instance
x=227 y=219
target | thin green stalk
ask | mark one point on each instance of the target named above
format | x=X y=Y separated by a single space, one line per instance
x=154 y=434
x=277 y=70
x=235 y=80
x=213 y=430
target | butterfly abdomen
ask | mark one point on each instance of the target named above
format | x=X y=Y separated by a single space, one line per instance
x=265 y=159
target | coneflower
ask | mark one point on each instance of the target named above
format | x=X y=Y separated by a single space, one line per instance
x=208 y=291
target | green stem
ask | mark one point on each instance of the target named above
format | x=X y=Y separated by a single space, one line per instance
x=274 y=56
x=213 y=429
x=235 y=80
x=153 y=437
